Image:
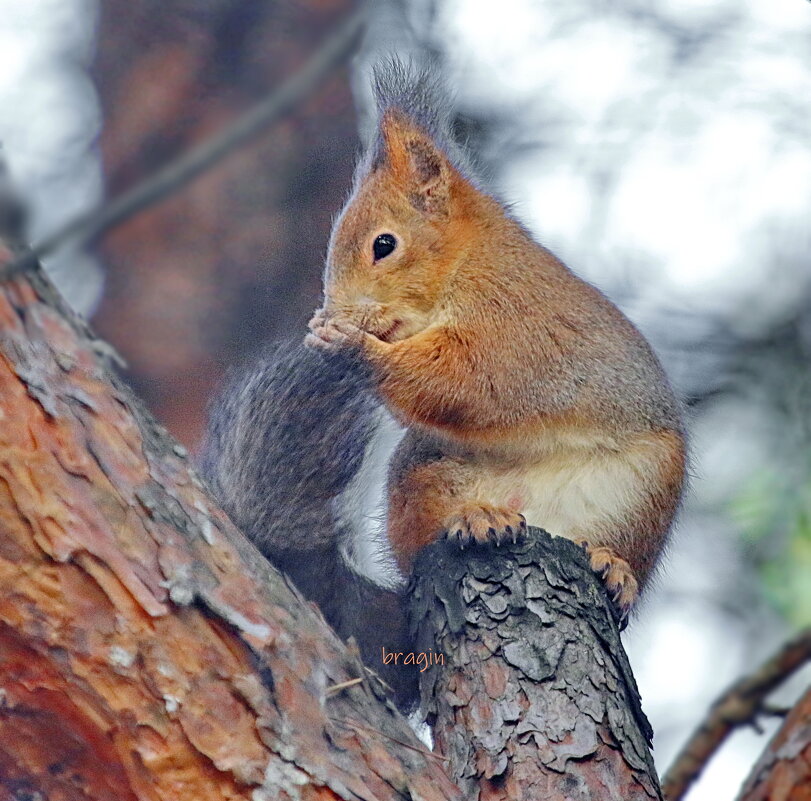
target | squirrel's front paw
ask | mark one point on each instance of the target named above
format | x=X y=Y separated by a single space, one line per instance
x=331 y=332
x=480 y=523
x=617 y=576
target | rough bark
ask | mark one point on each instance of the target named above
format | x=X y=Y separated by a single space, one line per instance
x=783 y=772
x=536 y=699
x=146 y=650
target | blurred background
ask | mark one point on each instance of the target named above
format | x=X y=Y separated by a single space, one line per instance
x=661 y=148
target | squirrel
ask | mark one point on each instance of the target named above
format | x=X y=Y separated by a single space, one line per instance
x=527 y=397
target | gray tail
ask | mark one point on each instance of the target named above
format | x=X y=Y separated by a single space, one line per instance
x=284 y=441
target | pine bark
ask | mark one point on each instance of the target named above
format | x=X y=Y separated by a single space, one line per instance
x=783 y=772
x=535 y=699
x=146 y=649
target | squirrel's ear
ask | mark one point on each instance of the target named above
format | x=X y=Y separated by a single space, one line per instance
x=416 y=160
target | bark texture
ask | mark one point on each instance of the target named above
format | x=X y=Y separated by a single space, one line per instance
x=783 y=772
x=536 y=699
x=146 y=650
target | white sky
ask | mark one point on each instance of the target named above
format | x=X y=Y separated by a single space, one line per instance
x=49 y=122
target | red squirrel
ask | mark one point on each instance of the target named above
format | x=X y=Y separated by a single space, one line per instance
x=527 y=396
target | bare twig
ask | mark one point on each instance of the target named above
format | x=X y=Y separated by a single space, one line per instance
x=739 y=705
x=423 y=751
x=336 y=688
x=91 y=224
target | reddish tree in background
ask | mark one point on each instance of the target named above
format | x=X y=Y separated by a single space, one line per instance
x=236 y=257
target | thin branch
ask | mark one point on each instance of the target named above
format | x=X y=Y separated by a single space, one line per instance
x=91 y=224
x=336 y=688
x=738 y=706
x=783 y=770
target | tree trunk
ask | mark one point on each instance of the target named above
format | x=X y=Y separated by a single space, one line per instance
x=243 y=242
x=147 y=651
x=536 y=699
x=783 y=772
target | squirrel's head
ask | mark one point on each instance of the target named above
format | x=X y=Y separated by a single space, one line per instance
x=396 y=244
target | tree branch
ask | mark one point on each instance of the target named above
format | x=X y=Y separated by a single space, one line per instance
x=738 y=706
x=147 y=651
x=784 y=769
x=535 y=699
x=93 y=223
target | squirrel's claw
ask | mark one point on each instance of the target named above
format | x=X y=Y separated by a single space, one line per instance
x=481 y=524
x=520 y=533
x=618 y=578
x=462 y=538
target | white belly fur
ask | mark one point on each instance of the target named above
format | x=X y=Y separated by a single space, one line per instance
x=576 y=489
x=578 y=493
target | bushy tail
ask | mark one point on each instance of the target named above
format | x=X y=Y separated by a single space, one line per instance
x=284 y=442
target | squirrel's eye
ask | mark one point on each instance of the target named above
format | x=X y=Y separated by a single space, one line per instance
x=383 y=245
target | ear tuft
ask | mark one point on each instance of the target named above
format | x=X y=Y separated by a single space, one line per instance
x=429 y=188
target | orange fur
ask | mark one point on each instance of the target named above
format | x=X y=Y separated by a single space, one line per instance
x=529 y=389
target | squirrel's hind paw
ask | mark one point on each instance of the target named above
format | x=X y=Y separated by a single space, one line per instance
x=617 y=576
x=480 y=524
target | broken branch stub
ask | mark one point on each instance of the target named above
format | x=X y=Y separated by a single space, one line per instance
x=534 y=675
